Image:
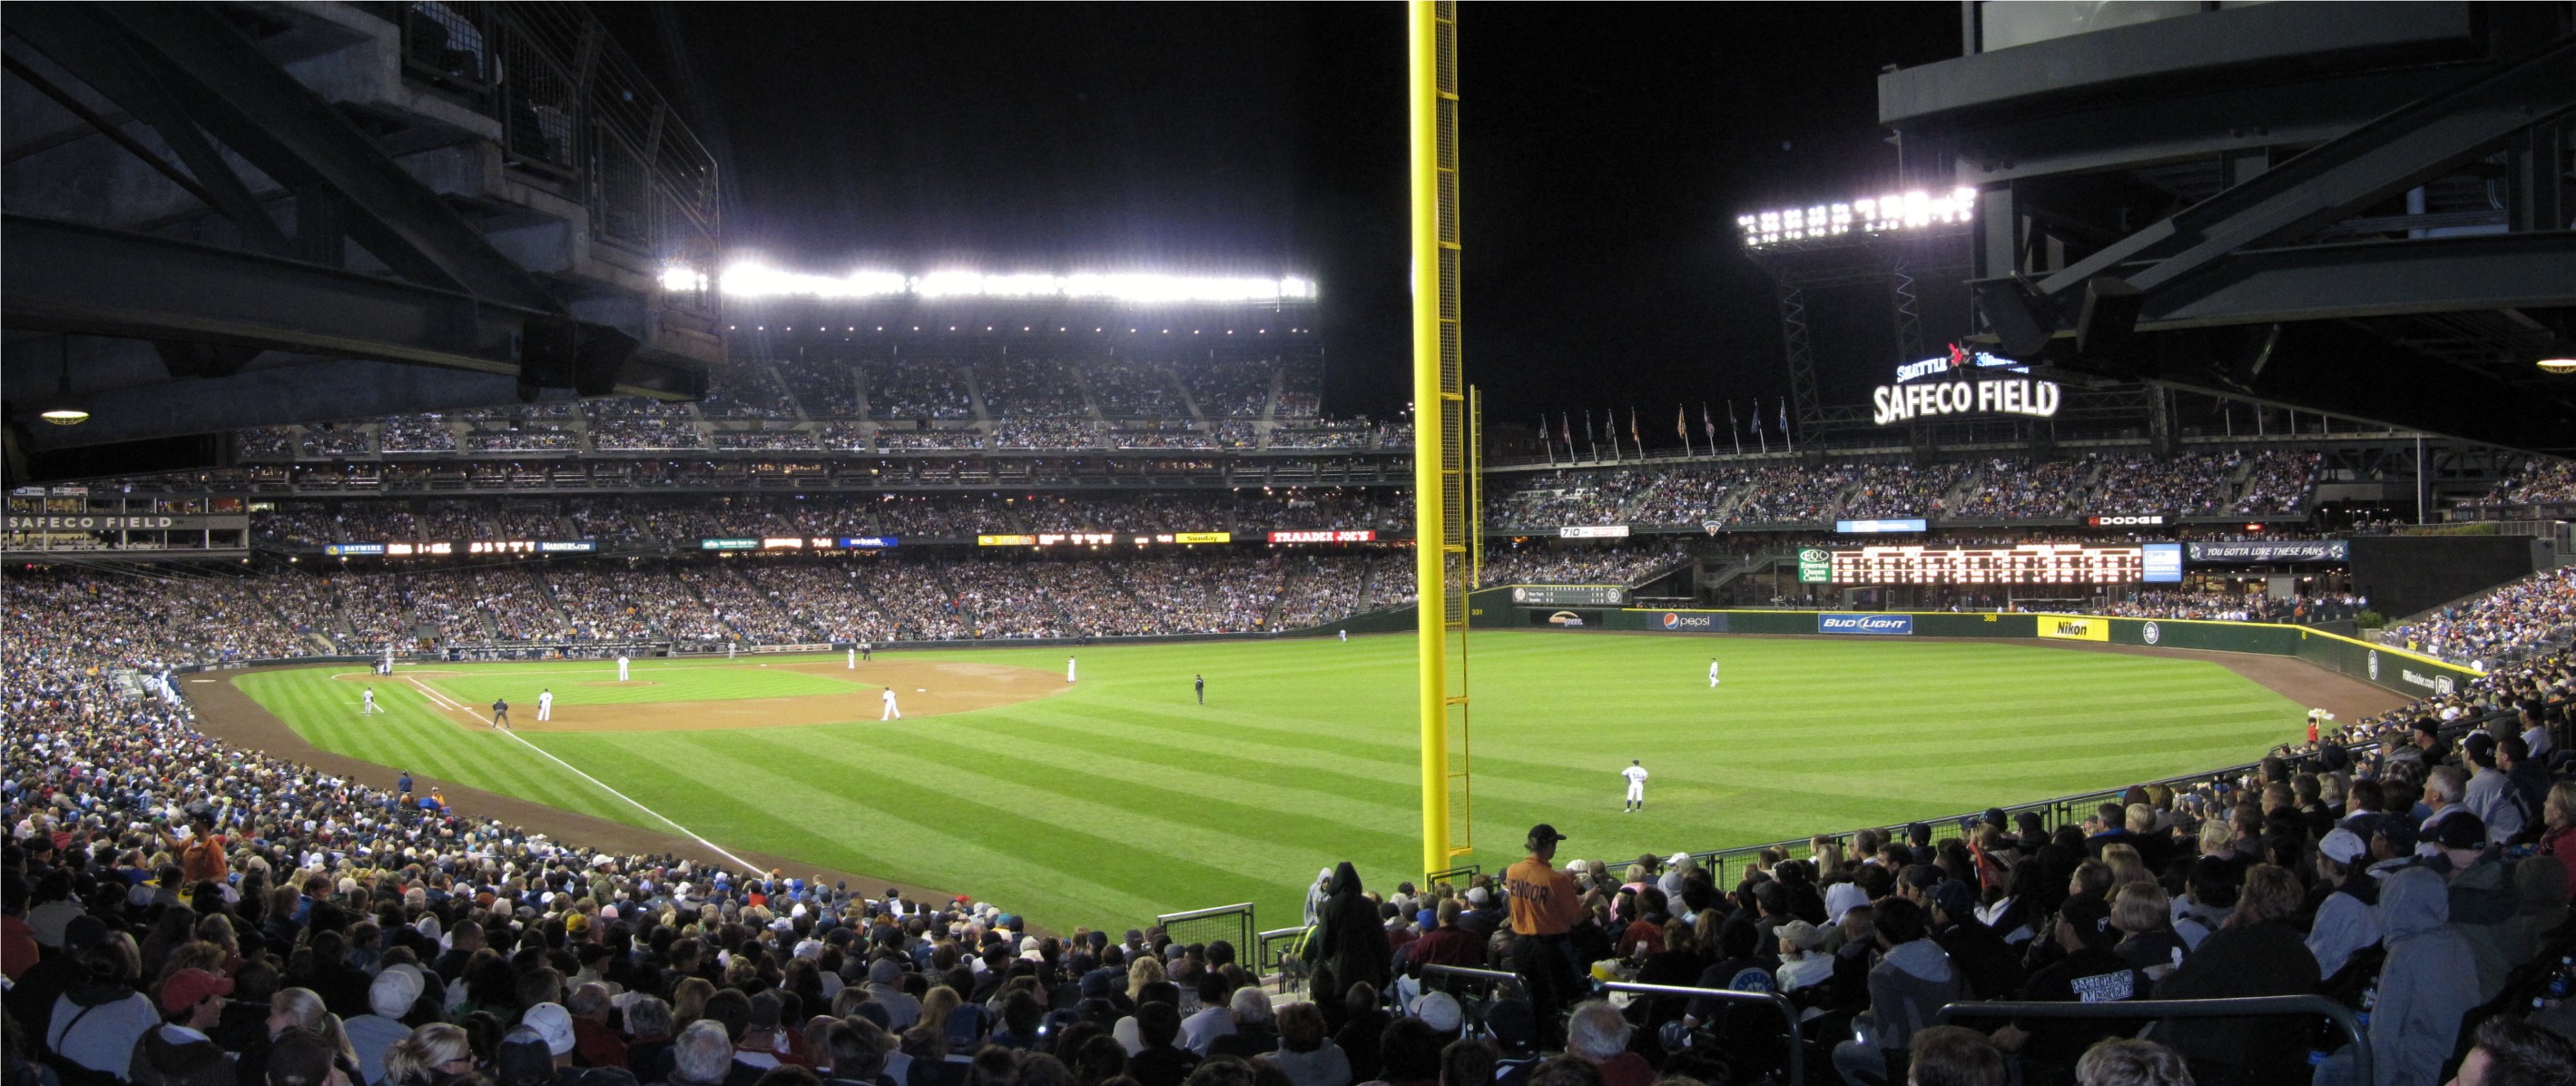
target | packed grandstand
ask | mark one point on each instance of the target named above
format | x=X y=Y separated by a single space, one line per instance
x=384 y=925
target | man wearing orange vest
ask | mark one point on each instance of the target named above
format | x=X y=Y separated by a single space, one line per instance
x=1544 y=907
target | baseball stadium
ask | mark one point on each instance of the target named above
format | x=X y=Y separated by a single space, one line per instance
x=465 y=609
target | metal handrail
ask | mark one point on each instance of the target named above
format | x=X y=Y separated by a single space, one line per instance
x=2235 y=1007
x=1788 y=1013
x=1501 y=975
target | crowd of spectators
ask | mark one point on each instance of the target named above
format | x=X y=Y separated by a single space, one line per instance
x=2255 y=606
x=1230 y=390
x=2535 y=613
x=416 y=434
x=917 y=389
x=2279 y=481
x=746 y=390
x=525 y=437
x=1044 y=433
x=328 y=440
x=1539 y=563
x=1030 y=388
x=264 y=442
x=1904 y=490
x=1133 y=390
x=2541 y=481
x=2017 y=488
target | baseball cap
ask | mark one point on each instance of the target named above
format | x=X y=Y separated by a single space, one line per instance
x=554 y=1024
x=2091 y=917
x=2343 y=846
x=525 y=1058
x=764 y=1011
x=1954 y=898
x=2402 y=830
x=393 y=991
x=1543 y=833
x=1803 y=935
x=189 y=987
x=1438 y=1010
x=2462 y=830
x=577 y=924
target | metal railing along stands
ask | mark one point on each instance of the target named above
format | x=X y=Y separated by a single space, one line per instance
x=2239 y=1007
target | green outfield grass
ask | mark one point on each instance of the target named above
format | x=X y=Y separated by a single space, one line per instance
x=594 y=682
x=1122 y=798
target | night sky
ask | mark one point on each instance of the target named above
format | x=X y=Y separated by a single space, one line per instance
x=1606 y=151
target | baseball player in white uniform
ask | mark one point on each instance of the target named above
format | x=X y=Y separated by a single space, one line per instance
x=854 y=658
x=1712 y=673
x=621 y=669
x=891 y=713
x=1068 y=669
x=545 y=703
x=367 y=696
x=1636 y=774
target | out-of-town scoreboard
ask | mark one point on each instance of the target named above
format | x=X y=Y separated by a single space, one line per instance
x=2027 y=564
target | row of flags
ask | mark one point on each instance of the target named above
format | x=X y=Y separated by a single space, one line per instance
x=1563 y=431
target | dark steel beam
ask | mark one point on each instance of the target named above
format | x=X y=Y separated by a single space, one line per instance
x=297 y=138
x=2367 y=279
x=2340 y=177
x=64 y=277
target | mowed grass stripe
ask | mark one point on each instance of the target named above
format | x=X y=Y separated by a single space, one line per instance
x=1122 y=796
x=480 y=690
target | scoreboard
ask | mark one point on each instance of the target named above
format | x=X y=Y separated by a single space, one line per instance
x=2027 y=564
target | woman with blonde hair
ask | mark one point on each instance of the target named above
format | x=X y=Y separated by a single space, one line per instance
x=301 y=1008
x=2125 y=864
x=434 y=1055
x=936 y=1006
x=689 y=999
x=2558 y=838
x=1141 y=972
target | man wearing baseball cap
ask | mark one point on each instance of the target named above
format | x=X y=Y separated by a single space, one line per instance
x=1544 y=907
x=2091 y=972
x=2345 y=920
x=178 y=1052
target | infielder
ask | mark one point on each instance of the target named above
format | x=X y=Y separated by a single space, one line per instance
x=1712 y=673
x=891 y=713
x=546 y=703
x=854 y=658
x=368 y=696
x=500 y=712
x=621 y=669
x=1636 y=774
x=1068 y=669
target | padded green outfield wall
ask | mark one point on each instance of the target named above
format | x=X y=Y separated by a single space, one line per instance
x=2395 y=669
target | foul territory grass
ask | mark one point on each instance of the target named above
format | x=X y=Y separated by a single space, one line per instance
x=1124 y=798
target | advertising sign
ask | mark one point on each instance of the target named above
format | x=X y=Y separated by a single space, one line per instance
x=1569 y=595
x=2074 y=628
x=2272 y=550
x=1862 y=527
x=2011 y=396
x=1690 y=622
x=1202 y=537
x=1006 y=541
x=1354 y=535
x=869 y=542
x=1832 y=623
x=2127 y=520
x=728 y=544
x=1593 y=531
x=1815 y=566
x=2163 y=563
x=344 y=550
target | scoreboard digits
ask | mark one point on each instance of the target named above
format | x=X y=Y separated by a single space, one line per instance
x=2030 y=563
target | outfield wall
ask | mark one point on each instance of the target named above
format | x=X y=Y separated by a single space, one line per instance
x=2408 y=673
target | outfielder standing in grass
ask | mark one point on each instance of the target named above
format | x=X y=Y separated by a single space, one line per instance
x=1712 y=673
x=1636 y=774
x=368 y=696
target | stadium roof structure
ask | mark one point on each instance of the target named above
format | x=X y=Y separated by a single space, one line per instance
x=2361 y=209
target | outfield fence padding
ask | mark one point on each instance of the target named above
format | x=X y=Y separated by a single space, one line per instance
x=2409 y=673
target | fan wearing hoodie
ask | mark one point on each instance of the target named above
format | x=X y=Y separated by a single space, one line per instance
x=2428 y=982
x=178 y=1052
x=2256 y=952
x=1907 y=988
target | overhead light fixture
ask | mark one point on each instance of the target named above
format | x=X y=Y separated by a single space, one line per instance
x=60 y=408
x=2559 y=365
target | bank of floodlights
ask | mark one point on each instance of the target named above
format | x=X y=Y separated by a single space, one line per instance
x=756 y=281
x=1869 y=215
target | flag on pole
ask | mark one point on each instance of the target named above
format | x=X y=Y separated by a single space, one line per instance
x=1633 y=439
x=1732 y=430
x=1757 y=416
x=1565 y=426
x=1681 y=425
x=1588 y=439
x=1544 y=440
x=1785 y=435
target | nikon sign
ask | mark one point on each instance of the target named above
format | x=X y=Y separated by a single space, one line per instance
x=2013 y=396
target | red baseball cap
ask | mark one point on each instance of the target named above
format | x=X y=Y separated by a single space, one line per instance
x=189 y=987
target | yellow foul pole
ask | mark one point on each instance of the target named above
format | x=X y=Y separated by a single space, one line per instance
x=1430 y=532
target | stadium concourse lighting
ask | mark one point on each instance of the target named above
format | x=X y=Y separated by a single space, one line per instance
x=756 y=281
x=2559 y=365
x=1868 y=215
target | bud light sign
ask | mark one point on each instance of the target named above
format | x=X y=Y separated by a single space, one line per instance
x=1864 y=624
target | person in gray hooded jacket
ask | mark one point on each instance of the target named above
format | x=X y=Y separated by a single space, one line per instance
x=1907 y=987
x=2428 y=982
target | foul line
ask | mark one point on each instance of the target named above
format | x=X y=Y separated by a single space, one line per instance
x=749 y=868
